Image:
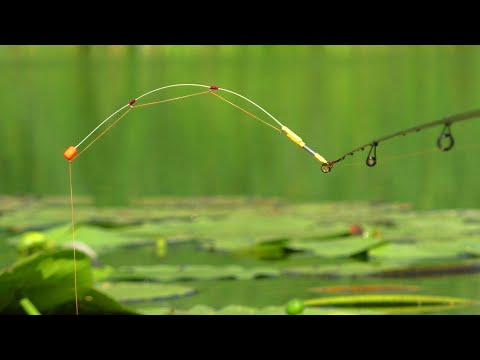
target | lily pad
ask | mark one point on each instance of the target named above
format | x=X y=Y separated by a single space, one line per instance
x=94 y=302
x=428 y=248
x=93 y=237
x=342 y=269
x=132 y=292
x=339 y=248
x=191 y=272
x=365 y=288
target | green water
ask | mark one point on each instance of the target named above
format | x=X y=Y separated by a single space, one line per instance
x=335 y=97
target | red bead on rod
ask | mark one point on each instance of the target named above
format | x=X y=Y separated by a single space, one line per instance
x=213 y=87
x=132 y=102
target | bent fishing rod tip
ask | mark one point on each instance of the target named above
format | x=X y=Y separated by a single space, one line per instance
x=326 y=165
x=70 y=153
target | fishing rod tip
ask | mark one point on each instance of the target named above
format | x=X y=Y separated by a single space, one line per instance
x=70 y=153
x=327 y=166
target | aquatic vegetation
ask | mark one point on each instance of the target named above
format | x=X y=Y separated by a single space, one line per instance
x=43 y=283
x=242 y=257
x=170 y=273
x=389 y=303
x=32 y=242
x=364 y=288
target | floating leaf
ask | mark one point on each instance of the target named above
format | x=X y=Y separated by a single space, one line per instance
x=339 y=248
x=131 y=292
x=364 y=288
x=343 y=269
x=427 y=249
x=94 y=237
x=191 y=272
x=94 y=302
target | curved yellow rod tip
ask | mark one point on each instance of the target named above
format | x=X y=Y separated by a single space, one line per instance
x=70 y=153
x=292 y=136
x=320 y=158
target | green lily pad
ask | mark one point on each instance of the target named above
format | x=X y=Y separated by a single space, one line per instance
x=240 y=228
x=191 y=272
x=339 y=248
x=428 y=248
x=96 y=238
x=364 y=288
x=342 y=269
x=94 y=302
x=131 y=292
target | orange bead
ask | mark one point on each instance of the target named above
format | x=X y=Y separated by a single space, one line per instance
x=70 y=152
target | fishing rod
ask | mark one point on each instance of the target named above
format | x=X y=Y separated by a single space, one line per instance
x=71 y=153
x=445 y=141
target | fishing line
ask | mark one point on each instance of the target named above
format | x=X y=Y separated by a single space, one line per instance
x=73 y=239
x=101 y=134
x=248 y=113
x=176 y=98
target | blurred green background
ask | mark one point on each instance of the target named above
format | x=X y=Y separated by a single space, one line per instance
x=335 y=97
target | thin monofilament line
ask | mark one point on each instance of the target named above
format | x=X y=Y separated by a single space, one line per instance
x=250 y=101
x=246 y=112
x=171 y=86
x=103 y=122
x=73 y=239
x=101 y=134
x=163 y=101
x=172 y=99
x=123 y=107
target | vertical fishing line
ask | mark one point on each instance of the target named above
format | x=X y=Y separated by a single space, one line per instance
x=73 y=239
